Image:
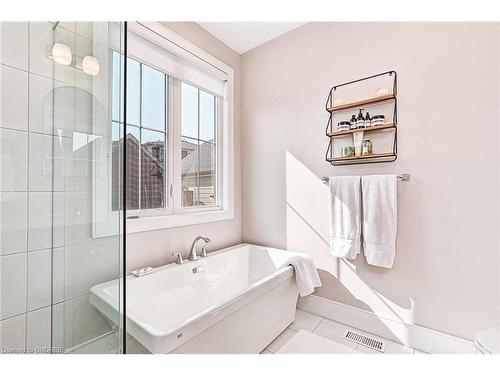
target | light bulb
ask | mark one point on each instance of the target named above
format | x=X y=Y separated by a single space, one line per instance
x=90 y=65
x=61 y=54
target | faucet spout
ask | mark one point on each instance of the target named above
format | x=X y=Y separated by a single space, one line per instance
x=192 y=253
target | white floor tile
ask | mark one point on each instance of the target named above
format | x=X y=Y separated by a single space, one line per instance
x=99 y=346
x=305 y=342
x=135 y=347
x=420 y=352
x=280 y=340
x=335 y=331
x=305 y=321
x=391 y=347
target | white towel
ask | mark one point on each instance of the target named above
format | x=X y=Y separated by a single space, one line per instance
x=380 y=206
x=306 y=273
x=345 y=216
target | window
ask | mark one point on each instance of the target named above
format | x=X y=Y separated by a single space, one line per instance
x=179 y=134
x=198 y=152
x=146 y=136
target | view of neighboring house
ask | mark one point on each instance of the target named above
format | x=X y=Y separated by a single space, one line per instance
x=198 y=174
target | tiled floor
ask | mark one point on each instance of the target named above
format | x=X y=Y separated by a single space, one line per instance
x=334 y=331
x=109 y=344
x=303 y=320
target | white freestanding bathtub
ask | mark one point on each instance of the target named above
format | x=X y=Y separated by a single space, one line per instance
x=235 y=300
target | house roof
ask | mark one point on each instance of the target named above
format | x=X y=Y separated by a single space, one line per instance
x=206 y=161
x=190 y=162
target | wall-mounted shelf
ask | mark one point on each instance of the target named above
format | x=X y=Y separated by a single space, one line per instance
x=390 y=99
x=362 y=103
x=349 y=132
x=348 y=158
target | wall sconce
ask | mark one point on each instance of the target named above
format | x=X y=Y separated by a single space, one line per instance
x=90 y=65
x=61 y=54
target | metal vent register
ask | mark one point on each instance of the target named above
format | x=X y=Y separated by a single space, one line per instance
x=365 y=340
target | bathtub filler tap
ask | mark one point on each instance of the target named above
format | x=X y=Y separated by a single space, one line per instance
x=192 y=252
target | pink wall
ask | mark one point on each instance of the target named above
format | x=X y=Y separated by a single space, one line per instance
x=154 y=248
x=446 y=274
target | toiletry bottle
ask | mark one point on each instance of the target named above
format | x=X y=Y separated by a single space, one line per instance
x=368 y=120
x=367 y=147
x=353 y=122
x=360 y=122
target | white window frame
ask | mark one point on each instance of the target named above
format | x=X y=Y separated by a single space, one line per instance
x=175 y=215
x=153 y=219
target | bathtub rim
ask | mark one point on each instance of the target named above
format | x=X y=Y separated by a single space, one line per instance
x=105 y=303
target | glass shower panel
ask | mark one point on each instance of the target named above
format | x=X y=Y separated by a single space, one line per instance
x=87 y=240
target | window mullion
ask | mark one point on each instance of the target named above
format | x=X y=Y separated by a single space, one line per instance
x=199 y=154
x=176 y=150
x=140 y=137
x=170 y=150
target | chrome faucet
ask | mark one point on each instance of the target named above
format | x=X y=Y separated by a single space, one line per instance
x=192 y=252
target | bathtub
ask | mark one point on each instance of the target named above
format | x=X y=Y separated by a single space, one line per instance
x=235 y=300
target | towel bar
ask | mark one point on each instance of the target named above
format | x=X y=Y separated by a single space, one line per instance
x=403 y=177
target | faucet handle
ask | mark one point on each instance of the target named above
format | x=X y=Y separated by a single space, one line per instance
x=179 y=259
x=204 y=250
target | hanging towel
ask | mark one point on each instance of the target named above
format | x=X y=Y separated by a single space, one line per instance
x=380 y=206
x=345 y=216
x=306 y=273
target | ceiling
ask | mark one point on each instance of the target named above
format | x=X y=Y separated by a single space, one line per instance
x=243 y=36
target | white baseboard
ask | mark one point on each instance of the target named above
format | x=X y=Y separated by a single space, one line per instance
x=418 y=337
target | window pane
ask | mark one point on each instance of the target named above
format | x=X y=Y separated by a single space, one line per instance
x=117 y=95
x=153 y=98
x=133 y=92
x=116 y=165
x=133 y=141
x=189 y=111
x=207 y=116
x=152 y=169
x=189 y=183
x=207 y=187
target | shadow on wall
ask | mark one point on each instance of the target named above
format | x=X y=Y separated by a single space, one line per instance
x=307 y=218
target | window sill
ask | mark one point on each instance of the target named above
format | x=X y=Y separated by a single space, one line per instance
x=147 y=223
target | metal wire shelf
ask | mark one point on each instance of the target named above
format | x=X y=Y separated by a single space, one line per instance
x=332 y=109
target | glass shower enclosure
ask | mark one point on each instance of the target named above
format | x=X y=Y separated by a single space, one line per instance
x=61 y=191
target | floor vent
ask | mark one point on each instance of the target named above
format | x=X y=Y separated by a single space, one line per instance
x=365 y=340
